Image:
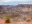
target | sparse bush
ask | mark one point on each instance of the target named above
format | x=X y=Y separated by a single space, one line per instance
x=7 y=19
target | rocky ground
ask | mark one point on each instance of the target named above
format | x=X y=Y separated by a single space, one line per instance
x=27 y=21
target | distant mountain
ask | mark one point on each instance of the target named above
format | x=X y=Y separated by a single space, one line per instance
x=25 y=9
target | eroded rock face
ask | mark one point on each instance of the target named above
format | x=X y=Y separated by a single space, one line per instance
x=20 y=14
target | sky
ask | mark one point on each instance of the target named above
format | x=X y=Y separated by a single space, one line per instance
x=15 y=2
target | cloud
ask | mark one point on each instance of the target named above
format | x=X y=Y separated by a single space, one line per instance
x=14 y=0
x=9 y=2
x=4 y=0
